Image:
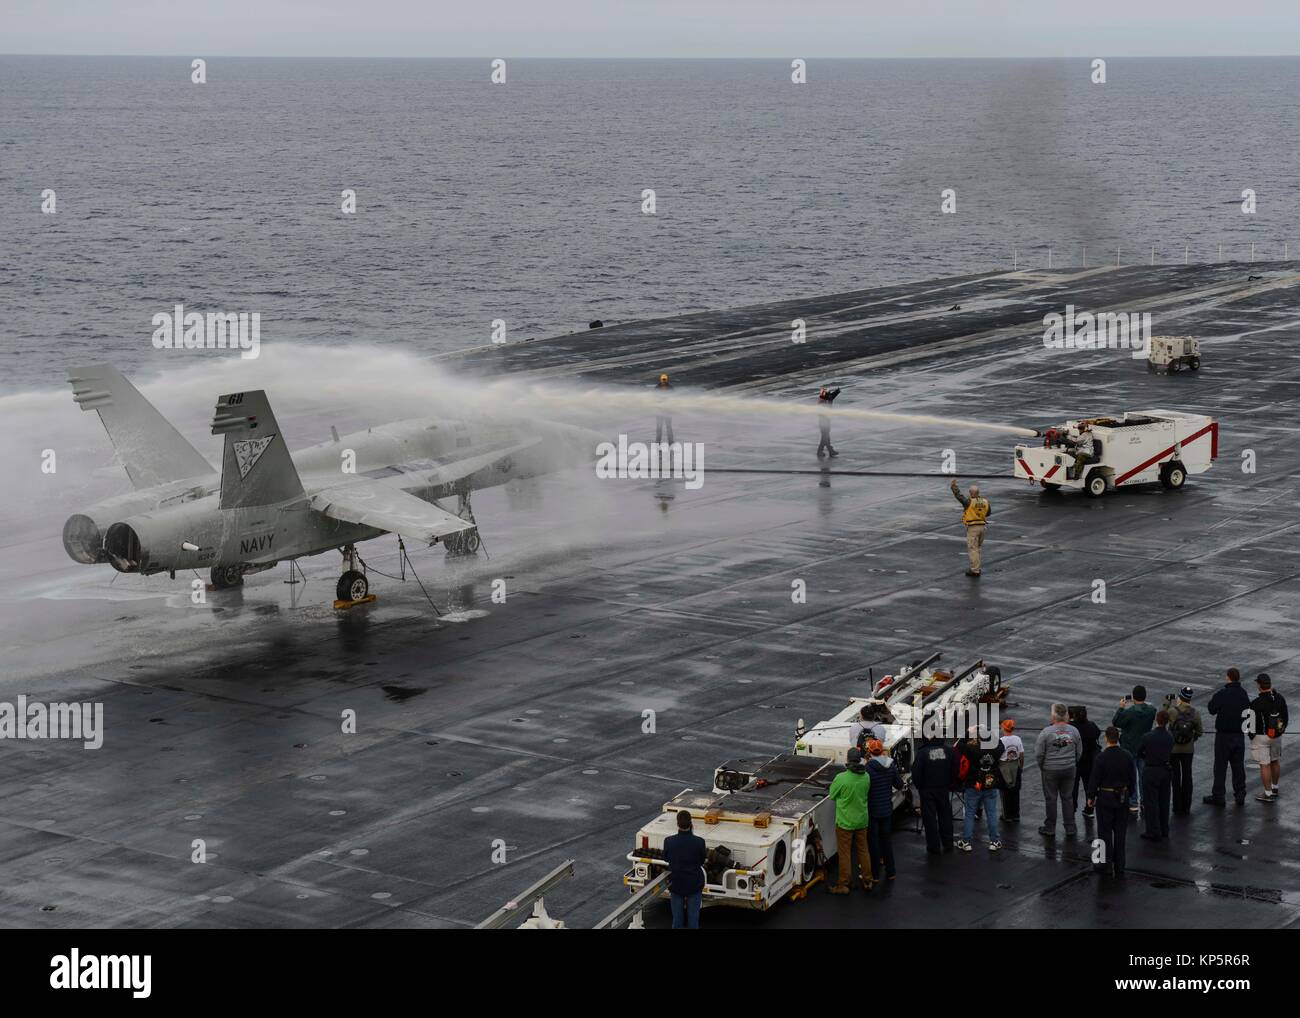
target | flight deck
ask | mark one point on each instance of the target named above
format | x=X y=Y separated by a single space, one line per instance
x=495 y=740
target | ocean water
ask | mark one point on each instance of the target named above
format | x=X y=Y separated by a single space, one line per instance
x=522 y=201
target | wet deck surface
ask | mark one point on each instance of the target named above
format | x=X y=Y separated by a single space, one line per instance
x=516 y=728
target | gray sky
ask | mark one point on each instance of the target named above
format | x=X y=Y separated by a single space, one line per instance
x=647 y=28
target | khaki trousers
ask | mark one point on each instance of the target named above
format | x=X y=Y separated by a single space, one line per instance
x=845 y=843
x=974 y=545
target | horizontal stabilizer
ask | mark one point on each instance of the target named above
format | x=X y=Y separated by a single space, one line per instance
x=371 y=503
x=150 y=449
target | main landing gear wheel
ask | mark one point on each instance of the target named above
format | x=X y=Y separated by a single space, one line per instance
x=353 y=586
x=1173 y=476
x=1096 y=484
x=466 y=542
x=225 y=577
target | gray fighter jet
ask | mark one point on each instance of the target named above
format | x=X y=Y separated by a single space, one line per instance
x=267 y=505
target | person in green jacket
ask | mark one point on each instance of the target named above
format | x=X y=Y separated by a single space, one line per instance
x=1134 y=719
x=849 y=790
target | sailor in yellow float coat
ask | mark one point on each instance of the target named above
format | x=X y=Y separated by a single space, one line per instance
x=974 y=516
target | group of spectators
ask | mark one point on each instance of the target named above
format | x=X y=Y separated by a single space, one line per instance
x=1140 y=765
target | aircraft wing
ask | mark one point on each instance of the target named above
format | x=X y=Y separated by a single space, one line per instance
x=372 y=503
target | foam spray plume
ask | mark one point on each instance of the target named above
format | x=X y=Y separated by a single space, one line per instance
x=716 y=403
x=313 y=387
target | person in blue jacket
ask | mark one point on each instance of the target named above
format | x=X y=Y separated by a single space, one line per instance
x=685 y=852
x=885 y=777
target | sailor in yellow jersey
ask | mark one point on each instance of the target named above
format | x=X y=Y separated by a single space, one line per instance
x=975 y=516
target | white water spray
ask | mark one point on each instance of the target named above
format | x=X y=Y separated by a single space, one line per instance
x=713 y=403
x=315 y=387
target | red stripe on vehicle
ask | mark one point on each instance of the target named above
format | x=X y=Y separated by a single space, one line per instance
x=1052 y=471
x=1026 y=466
x=1211 y=429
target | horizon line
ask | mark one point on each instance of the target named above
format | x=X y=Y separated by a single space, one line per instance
x=352 y=56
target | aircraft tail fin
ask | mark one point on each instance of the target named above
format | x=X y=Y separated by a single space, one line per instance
x=256 y=468
x=151 y=450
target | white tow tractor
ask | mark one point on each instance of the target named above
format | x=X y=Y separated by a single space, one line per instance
x=1140 y=447
x=902 y=705
x=762 y=823
x=767 y=823
x=1167 y=354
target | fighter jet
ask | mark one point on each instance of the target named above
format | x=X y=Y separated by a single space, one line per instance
x=267 y=505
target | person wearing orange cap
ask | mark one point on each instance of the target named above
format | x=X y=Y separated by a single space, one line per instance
x=1012 y=765
x=885 y=777
x=663 y=419
x=824 y=399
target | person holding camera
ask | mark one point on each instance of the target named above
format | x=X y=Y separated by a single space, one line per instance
x=1185 y=726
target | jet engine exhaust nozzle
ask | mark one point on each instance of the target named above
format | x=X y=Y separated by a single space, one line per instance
x=122 y=548
x=82 y=540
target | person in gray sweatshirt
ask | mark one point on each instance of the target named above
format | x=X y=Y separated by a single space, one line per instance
x=1058 y=749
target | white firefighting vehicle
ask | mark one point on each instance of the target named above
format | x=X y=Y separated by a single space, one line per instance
x=1169 y=353
x=768 y=824
x=1141 y=447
